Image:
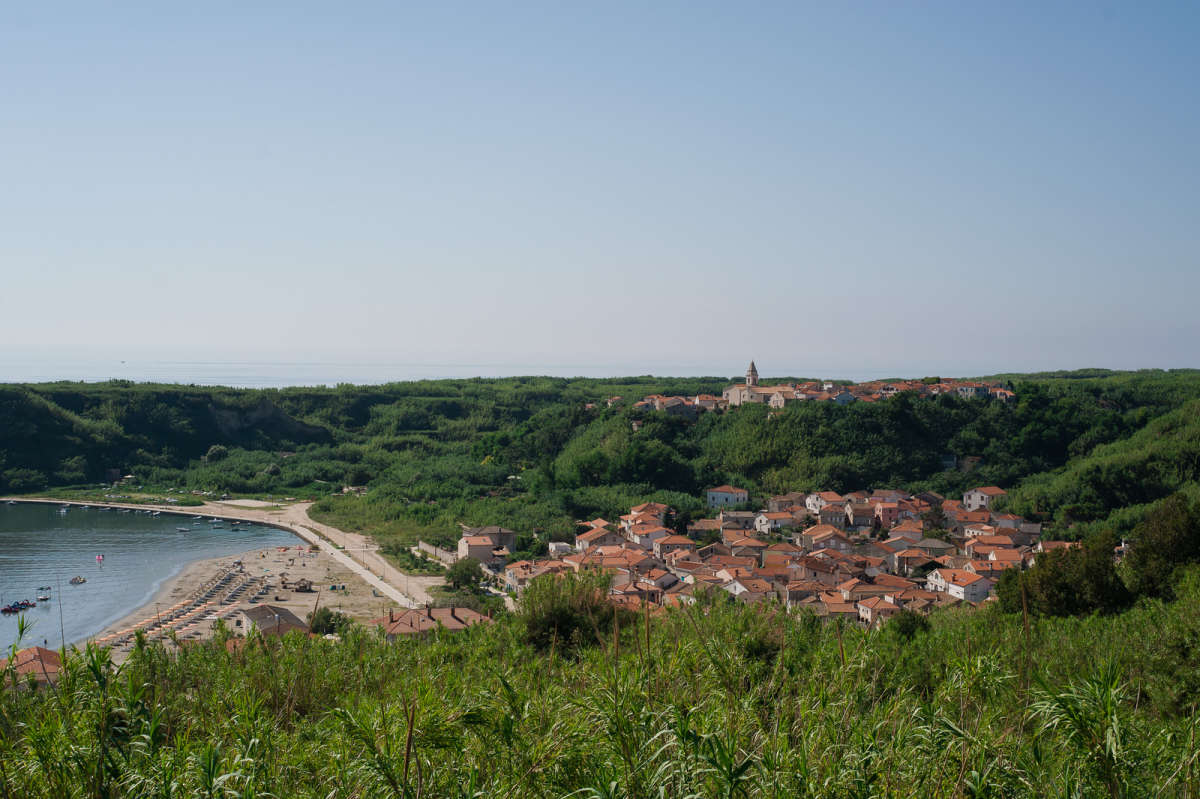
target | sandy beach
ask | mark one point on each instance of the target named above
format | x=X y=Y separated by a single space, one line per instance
x=188 y=605
x=347 y=572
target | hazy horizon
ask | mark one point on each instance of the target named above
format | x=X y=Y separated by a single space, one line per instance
x=949 y=189
x=279 y=374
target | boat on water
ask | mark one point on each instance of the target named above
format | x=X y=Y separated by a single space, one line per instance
x=184 y=529
x=44 y=588
x=12 y=502
x=43 y=598
x=156 y=513
x=17 y=607
x=197 y=517
x=77 y=580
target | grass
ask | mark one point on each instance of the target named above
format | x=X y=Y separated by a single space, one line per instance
x=710 y=701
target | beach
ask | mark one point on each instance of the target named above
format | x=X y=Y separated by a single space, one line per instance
x=348 y=575
x=190 y=602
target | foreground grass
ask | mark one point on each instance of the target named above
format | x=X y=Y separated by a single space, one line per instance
x=719 y=701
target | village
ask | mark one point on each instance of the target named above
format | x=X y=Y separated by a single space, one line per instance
x=784 y=394
x=863 y=556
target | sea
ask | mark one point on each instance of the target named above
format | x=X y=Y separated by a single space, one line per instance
x=45 y=545
x=282 y=374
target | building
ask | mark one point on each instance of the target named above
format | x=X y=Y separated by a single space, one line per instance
x=270 y=620
x=35 y=663
x=982 y=498
x=960 y=584
x=502 y=536
x=727 y=495
x=418 y=621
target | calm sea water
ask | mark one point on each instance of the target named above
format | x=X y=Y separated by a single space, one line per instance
x=39 y=546
x=263 y=374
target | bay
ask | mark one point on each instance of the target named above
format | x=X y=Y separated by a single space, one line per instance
x=42 y=545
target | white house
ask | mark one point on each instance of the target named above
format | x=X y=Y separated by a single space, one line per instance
x=960 y=584
x=727 y=495
x=982 y=498
x=770 y=521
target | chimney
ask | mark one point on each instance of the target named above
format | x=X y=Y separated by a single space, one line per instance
x=454 y=615
x=391 y=615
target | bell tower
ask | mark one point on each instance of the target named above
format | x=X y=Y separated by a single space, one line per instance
x=752 y=375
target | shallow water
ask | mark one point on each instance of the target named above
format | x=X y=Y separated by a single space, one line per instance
x=40 y=545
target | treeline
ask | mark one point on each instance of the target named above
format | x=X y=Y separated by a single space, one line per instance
x=1083 y=452
x=1108 y=573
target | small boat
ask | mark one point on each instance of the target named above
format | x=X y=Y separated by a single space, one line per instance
x=17 y=607
x=44 y=588
x=77 y=580
x=43 y=598
x=197 y=517
x=156 y=513
x=184 y=529
x=12 y=502
x=100 y=559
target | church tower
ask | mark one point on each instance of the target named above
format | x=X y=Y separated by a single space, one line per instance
x=752 y=375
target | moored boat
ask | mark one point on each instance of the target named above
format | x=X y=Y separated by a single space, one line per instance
x=77 y=580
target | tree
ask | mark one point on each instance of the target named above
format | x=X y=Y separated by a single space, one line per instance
x=217 y=452
x=465 y=573
x=906 y=624
x=325 y=621
x=1168 y=539
x=1066 y=582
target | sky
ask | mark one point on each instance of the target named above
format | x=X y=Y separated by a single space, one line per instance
x=956 y=188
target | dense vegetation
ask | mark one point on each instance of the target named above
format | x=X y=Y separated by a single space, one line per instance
x=1085 y=451
x=716 y=701
x=1036 y=696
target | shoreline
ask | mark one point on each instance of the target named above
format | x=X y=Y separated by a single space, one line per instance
x=331 y=555
x=293 y=518
x=168 y=591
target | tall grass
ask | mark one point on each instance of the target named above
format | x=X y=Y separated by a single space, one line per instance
x=709 y=701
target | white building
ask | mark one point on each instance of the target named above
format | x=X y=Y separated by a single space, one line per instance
x=960 y=584
x=727 y=495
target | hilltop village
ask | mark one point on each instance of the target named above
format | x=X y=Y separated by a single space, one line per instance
x=784 y=394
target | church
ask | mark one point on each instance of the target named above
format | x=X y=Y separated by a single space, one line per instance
x=752 y=392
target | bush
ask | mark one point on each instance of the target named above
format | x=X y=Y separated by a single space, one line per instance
x=566 y=611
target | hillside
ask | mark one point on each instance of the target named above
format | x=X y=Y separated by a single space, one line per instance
x=1078 y=450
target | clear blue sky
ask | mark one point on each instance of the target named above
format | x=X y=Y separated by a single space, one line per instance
x=916 y=187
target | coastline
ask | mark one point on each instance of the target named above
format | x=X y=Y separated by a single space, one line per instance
x=293 y=517
x=171 y=589
x=362 y=590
